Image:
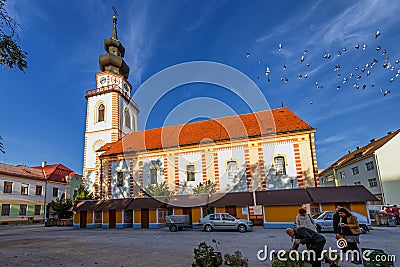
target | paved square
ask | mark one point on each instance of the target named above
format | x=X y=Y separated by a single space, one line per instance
x=35 y=245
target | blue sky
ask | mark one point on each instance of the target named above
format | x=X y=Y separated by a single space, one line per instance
x=42 y=111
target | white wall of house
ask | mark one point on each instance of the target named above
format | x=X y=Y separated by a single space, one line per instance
x=16 y=198
x=362 y=177
x=388 y=158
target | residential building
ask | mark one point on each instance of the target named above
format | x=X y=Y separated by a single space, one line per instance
x=271 y=149
x=23 y=190
x=374 y=165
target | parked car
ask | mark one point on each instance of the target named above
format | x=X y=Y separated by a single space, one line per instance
x=324 y=222
x=225 y=221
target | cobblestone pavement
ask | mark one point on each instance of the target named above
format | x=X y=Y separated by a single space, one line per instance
x=35 y=245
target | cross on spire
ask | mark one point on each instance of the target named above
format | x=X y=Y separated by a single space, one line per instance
x=114 y=33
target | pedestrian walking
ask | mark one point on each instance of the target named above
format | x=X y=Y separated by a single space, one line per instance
x=350 y=229
x=303 y=219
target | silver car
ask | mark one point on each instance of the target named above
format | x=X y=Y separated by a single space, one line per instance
x=324 y=222
x=225 y=221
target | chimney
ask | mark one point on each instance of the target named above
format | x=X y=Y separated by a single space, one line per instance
x=372 y=140
x=390 y=132
x=349 y=151
x=358 y=147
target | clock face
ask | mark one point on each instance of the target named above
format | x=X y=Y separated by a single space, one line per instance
x=103 y=80
x=126 y=87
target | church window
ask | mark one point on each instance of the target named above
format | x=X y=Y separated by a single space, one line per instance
x=101 y=113
x=120 y=178
x=280 y=166
x=190 y=172
x=153 y=175
x=127 y=118
x=232 y=169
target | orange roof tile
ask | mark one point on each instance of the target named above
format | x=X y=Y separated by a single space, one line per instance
x=268 y=122
x=56 y=172
x=21 y=171
x=362 y=152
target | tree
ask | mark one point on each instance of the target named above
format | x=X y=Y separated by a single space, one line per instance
x=83 y=194
x=159 y=189
x=11 y=54
x=206 y=188
x=61 y=207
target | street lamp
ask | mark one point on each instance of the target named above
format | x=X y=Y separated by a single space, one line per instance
x=44 y=163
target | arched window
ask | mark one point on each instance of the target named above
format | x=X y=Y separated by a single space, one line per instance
x=153 y=174
x=280 y=166
x=190 y=172
x=127 y=118
x=101 y=113
x=232 y=169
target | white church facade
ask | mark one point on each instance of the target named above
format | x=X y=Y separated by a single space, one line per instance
x=271 y=149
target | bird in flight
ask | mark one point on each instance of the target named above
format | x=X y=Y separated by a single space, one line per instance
x=377 y=34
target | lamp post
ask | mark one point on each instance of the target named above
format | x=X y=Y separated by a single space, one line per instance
x=45 y=192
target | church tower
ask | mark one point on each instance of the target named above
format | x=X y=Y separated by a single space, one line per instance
x=110 y=114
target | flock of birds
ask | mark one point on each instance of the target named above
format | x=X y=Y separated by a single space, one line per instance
x=357 y=76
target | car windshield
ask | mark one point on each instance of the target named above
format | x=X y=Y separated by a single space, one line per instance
x=328 y=215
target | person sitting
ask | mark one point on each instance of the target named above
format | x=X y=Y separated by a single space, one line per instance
x=313 y=241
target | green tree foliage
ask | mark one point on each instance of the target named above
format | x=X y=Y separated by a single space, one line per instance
x=205 y=256
x=206 y=188
x=159 y=189
x=61 y=207
x=83 y=194
x=11 y=54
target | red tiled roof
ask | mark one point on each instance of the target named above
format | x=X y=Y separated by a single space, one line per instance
x=362 y=152
x=21 y=171
x=56 y=172
x=268 y=122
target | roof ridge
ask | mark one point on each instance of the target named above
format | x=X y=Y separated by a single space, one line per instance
x=366 y=148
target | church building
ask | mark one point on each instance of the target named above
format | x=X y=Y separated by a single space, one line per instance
x=266 y=150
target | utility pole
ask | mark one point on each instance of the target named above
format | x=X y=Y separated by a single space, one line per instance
x=45 y=192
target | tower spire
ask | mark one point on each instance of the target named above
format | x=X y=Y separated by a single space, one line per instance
x=113 y=60
x=114 y=33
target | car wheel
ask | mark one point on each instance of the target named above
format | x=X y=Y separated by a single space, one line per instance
x=318 y=228
x=173 y=228
x=363 y=229
x=208 y=228
x=242 y=228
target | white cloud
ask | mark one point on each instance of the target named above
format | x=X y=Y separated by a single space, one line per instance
x=331 y=139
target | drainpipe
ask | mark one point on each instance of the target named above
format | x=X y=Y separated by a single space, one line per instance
x=45 y=192
x=312 y=160
x=101 y=179
x=379 y=178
